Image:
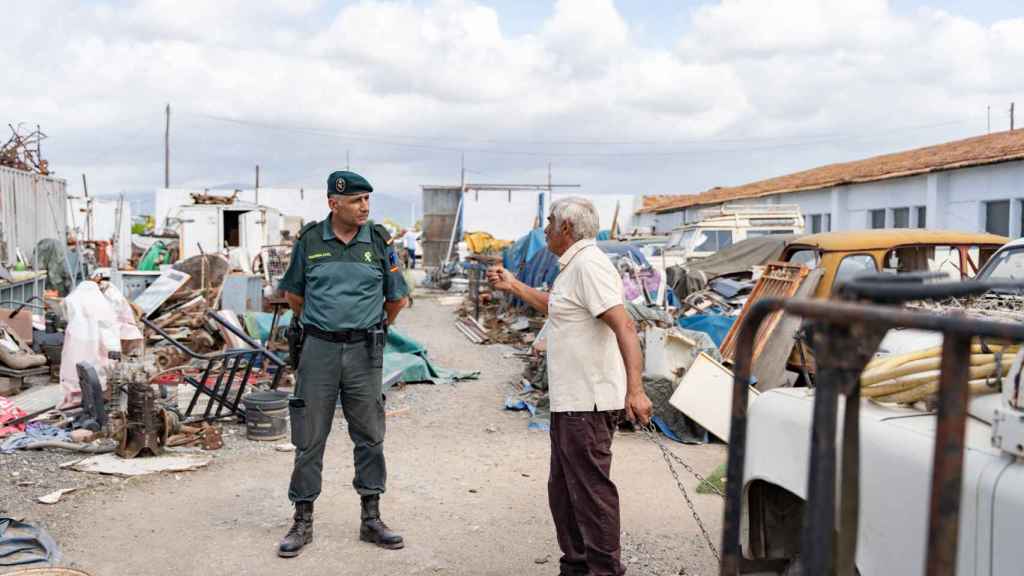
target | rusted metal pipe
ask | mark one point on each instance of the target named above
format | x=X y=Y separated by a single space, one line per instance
x=731 y=554
x=948 y=462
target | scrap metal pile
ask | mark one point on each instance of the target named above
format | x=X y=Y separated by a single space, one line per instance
x=22 y=151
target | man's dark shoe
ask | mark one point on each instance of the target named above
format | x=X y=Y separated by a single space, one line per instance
x=373 y=529
x=301 y=532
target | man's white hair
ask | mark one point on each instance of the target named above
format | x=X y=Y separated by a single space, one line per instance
x=579 y=212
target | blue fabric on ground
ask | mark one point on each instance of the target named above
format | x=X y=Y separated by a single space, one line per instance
x=663 y=427
x=34 y=432
x=604 y=235
x=712 y=325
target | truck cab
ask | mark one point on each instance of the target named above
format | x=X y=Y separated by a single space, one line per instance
x=718 y=228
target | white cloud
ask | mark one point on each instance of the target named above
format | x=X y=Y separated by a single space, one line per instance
x=444 y=73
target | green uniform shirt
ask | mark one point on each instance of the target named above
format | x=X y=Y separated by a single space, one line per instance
x=344 y=285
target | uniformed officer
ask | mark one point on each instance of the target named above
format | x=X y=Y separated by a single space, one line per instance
x=344 y=283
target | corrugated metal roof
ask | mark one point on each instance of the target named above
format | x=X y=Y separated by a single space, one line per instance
x=976 y=151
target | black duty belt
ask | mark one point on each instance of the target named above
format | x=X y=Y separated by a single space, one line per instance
x=341 y=337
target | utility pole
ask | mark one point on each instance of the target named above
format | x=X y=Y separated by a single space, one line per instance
x=167 y=148
x=1011 y=115
x=39 y=144
x=988 y=116
x=88 y=210
x=346 y=161
x=257 y=183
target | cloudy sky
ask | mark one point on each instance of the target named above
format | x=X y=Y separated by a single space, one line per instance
x=641 y=96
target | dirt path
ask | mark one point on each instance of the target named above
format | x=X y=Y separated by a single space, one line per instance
x=467 y=489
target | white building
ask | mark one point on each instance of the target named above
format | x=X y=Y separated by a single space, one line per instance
x=297 y=202
x=976 y=184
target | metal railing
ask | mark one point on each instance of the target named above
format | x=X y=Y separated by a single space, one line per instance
x=221 y=369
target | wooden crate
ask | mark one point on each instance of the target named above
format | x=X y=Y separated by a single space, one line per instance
x=14 y=381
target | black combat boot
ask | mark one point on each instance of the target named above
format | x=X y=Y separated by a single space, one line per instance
x=301 y=532
x=374 y=529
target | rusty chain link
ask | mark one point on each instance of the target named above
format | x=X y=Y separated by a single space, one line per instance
x=669 y=456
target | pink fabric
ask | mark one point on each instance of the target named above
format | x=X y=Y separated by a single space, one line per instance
x=8 y=412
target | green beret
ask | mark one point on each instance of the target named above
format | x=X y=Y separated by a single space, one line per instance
x=347 y=183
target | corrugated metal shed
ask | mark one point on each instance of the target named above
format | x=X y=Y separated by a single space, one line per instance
x=32 y=207
x=440 y=211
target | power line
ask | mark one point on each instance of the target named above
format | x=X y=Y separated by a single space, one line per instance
x=412 y=143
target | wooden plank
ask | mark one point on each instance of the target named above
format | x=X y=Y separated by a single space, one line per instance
x=705 y=395
x=769 y=366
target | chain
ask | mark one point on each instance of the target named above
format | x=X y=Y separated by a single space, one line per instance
x=669 y=456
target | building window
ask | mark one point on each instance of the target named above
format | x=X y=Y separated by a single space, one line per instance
x=828 y=222
x=815 y=223
x=997 y=217
x=922 y=217
x=876 y=218
x=901 y=218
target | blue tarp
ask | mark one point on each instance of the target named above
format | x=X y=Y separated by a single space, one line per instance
x=712 y=325
x=522 y=250
x=531 y=261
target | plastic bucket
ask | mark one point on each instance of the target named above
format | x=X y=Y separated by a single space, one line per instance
x=266 y=415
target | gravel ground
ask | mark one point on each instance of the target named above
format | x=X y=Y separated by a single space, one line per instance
x=467 y=488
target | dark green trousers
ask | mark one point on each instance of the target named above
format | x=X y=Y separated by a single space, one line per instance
x=326 y=370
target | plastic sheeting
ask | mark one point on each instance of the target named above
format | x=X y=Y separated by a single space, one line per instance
x=482 y=242
x=97 y=322
x=714 y=326
x=22 y=543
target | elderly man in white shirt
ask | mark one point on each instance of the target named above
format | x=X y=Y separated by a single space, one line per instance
x=594 y=375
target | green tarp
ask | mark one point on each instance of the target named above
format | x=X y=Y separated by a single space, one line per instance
x=405 y=359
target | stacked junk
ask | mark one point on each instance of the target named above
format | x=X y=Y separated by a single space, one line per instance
x=139 y=377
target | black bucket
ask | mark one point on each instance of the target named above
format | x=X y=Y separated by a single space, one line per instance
x=266 y=415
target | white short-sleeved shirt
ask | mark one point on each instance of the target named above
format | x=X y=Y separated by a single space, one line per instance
x=585 y=367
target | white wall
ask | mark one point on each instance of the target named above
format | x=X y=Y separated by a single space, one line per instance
x=494 y=212
x=954 y=200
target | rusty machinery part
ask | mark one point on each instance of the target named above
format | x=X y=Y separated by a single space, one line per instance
x=168 y=357
x=846 y=321
x=146 y=424
x=205 y=434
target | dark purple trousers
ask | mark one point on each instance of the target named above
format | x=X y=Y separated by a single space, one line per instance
x=584 y=501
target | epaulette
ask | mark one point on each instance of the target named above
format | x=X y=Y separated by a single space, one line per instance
x=307 y=228
x=382 y=233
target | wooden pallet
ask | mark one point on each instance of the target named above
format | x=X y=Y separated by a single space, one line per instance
x=14 y=381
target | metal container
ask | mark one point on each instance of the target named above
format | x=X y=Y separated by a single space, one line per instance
x=23 y=290
x=32 y=207
x=266 y=415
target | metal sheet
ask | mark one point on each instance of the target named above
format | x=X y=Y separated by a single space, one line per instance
x=32 y=207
